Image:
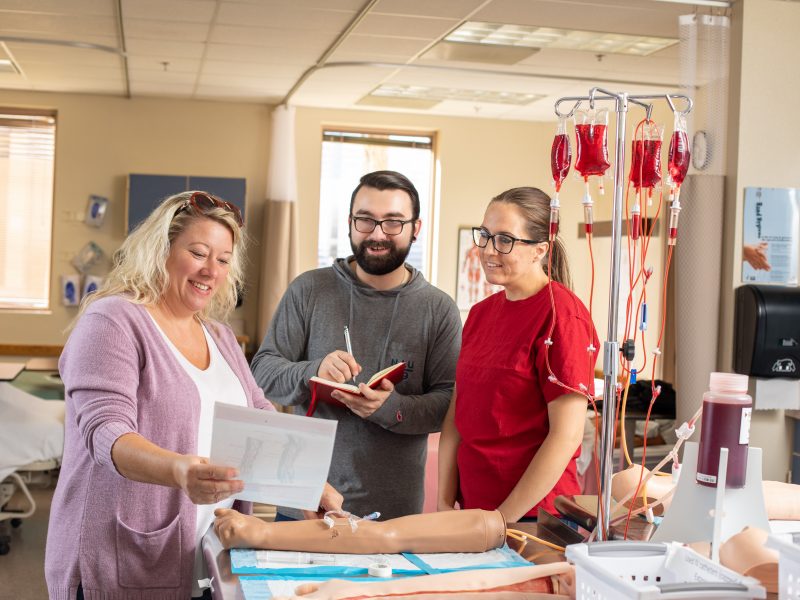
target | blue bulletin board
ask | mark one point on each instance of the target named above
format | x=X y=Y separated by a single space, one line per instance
x=145 y=192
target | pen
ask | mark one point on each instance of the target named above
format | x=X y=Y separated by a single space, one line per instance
x=349 y=345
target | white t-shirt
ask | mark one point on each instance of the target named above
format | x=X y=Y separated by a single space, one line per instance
x=218 y=383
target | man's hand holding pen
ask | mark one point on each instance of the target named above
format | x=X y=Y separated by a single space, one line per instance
x=339 y=366
x=369 y=401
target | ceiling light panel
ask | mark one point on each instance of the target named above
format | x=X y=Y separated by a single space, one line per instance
x=476 y=32
x=441 y=93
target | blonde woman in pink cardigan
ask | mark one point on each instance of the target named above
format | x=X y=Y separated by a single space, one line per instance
x=142 y=368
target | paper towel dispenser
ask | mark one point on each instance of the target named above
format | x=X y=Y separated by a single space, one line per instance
x=766 y=341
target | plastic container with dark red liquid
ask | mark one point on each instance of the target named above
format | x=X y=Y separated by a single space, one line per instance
x=725 y=424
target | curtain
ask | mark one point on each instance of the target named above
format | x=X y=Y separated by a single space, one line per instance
x=279 y=259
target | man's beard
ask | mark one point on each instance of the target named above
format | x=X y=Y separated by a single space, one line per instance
x=379 y=265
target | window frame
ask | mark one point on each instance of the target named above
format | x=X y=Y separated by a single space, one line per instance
x=31 y=114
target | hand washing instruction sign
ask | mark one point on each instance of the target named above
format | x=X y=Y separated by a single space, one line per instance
x=771 y=236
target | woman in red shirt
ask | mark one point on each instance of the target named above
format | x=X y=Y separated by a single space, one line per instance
x=511 y=436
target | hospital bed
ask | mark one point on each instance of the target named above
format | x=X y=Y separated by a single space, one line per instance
x=31 y=444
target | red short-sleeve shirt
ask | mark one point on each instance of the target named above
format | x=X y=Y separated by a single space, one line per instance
x=503 y=389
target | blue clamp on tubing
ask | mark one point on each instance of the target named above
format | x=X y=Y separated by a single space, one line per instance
x=633 y=375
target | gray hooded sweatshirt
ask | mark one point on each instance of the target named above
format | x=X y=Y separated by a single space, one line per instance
x=378 y=462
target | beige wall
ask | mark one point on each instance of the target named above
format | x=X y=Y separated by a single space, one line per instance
x=99 y=140
x=762 y=152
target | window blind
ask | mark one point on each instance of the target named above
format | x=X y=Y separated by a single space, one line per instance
x=27 y=156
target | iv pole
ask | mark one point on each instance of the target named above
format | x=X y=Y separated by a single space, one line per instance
x=611 y=345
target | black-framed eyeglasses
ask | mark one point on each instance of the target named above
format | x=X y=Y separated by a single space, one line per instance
x=202 y=202
x=502 y=243
x=388 y=226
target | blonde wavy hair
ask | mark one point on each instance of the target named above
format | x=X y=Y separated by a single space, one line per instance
x=139 y=272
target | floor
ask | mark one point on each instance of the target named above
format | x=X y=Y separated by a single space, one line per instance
x=22 y=569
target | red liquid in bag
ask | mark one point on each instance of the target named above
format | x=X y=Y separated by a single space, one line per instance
x=592 y=150
x=679 y=156
x=645 y=163
x=560 y=159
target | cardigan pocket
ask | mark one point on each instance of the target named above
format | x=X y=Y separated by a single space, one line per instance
x=149 y=559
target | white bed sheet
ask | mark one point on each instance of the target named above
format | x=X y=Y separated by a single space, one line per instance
x=31 y=429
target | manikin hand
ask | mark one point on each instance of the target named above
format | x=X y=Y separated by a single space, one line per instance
x=755 y=255
x=236 y=530
x=369 y=401
x=330 y=500
x=339 y=366
x=203 y=482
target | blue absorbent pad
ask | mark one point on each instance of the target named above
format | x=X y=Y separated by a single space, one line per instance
x=301 y=564
x=448 y=562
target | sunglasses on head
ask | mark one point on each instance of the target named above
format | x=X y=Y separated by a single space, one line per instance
x=202 y=202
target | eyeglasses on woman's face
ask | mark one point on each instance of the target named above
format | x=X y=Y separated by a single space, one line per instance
x=388 y=226
x=203 y=202
x=502 y=243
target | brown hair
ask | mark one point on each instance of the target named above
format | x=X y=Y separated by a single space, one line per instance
x=534 y=205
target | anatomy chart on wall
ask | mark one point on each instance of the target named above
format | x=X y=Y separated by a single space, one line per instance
x=283 y=459
x=472 y=286
x=771 y=235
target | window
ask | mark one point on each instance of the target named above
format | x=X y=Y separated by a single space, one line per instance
x=346 y=156
x=27 y=153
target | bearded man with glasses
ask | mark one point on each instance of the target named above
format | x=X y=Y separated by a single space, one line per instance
x=392 y=315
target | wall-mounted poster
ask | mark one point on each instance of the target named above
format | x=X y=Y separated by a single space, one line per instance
x=771 y=236
x=472 y=286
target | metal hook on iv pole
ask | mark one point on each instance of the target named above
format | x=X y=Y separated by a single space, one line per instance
x=689 y=103
x=570 y=113
x=647 y=107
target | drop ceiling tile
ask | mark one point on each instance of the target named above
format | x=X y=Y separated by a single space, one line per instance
x=187 y=11
x=84 y=7
x=88 y=85
x=349 y=5
x=262 y=55
x=164 y=49
x=401 y=26
x=284 y=17
x=253 y=83
x=271 y=37
x=161 y=89
x=151 y=63
x=618 y=16
x=170 y=78
x=30 y=53
x=368 y=45
x=111 y=41
x=64 y=26
x=148 y=29
x=452 y=9
x=335 y=76
x=54 y=72
x=255 y=70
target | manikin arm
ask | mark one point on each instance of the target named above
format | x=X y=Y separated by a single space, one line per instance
x=452 y=531
x=566 y=415
x=533 y=583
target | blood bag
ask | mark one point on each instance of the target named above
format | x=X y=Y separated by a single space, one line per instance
x=591 y=136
